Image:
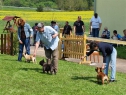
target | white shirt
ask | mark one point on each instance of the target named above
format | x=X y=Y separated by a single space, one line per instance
x=95 y=22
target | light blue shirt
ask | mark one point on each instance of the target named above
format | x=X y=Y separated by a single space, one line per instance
x=46 y=38
x=56 y=27
x=27 y=29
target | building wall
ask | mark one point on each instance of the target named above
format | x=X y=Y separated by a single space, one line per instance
x=112 y=13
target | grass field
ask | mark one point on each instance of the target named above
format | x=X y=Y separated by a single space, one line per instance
x=20 y=78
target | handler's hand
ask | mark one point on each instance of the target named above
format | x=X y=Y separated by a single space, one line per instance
x=20 y=42
x=34 y=54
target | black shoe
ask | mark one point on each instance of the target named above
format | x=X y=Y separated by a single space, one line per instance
x=112 y=80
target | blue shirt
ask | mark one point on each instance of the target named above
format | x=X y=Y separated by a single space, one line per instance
x=56 y=28
x=46 y=38
x=119 y=36
x=27 y=29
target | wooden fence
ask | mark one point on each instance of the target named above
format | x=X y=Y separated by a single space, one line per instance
x=73 y=46
x=6 y=45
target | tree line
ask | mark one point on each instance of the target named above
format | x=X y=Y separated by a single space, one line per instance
x=67 y=5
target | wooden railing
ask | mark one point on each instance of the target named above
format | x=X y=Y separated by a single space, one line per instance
x=73 y=46
x=6 y=45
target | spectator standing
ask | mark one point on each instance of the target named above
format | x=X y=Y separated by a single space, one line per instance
x=96 y=24
x=25 y=32
x=49 y=37
x=55 y=26
x=67 y=29
x=105 y=33
x=79 y=28
x=35 y=29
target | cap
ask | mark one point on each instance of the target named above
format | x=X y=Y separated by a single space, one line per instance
x=40 y=25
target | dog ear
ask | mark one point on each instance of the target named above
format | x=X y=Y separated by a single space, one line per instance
x=101 y=69
x=96 y=69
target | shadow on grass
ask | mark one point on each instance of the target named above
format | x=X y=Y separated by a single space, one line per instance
x=35 y=69
x=91 y=79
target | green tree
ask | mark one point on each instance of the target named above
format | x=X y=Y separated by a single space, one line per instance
x=40 y=8
x=1 y=3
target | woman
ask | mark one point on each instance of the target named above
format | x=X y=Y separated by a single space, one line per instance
x=109 y=54
x=24 y=33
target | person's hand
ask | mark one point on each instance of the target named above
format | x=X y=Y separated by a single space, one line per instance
x=31 y=36
x=103 y=66
x=20 y=42
x=34 y=54
x=83 y=57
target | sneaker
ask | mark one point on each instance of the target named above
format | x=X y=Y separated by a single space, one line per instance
x=112 y=80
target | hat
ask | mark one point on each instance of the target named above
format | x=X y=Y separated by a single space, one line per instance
x=40 y=25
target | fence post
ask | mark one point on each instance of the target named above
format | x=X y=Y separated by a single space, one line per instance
x=1 y=43
x=59 y=46
x=4 y=45
x=11 y=40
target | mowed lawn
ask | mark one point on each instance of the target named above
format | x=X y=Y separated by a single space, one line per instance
x=20 y=78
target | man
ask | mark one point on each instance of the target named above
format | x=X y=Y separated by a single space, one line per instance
x=105 y=33
x=25 y=32
x=79 y=26
x=49 y=37
x=54 y=26
x=67 y=29
x=96 y=24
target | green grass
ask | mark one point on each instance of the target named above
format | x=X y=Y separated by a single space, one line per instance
x=20 y=78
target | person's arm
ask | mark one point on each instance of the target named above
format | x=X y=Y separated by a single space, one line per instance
x=108 y=35
x=70 y=30
x=36 y=47
x=36 y=44
x=74 y=29
x=100 y=24
x=83 y=27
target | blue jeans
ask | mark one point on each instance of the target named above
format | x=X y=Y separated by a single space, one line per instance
x=95 y=32
x=26 y=43
x=111 y=58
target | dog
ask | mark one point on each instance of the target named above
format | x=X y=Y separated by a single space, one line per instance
x=29 y=58
x=101 y=76
x=47 y=67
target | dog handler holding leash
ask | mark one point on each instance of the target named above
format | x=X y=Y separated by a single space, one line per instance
x=49 y=38
x=109 y=54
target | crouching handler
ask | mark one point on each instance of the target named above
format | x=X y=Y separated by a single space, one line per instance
x=109 y=54
x=49 y=38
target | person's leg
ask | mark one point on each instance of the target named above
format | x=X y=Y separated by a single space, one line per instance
x=55 y=58
x=21 y=46
x=93 y=32
x=107 y=64
x=27 y=45
x=113 y=64
x=48 y=54
x=97 y=32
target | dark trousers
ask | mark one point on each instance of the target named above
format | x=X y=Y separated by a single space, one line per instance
x=95 y=32
x=53 y=56
x=26 y=43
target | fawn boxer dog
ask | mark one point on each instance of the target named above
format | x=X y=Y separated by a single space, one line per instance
x=101 y=76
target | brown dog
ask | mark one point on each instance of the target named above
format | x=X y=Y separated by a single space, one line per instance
x=29 y=58
x=101 y=76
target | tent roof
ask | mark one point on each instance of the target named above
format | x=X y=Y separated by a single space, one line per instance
x=9 y=18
